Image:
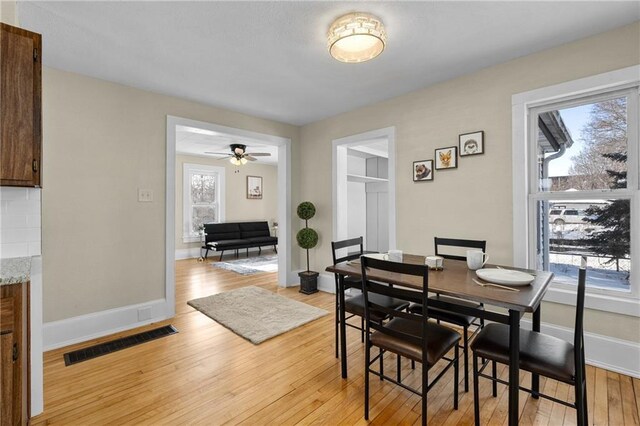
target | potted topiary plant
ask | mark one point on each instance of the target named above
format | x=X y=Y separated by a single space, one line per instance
x=307 y=239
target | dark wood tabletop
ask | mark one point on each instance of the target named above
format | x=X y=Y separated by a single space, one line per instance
x=456 y=279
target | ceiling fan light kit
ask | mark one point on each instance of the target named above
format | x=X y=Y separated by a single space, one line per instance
x=356 y=37
x=239 y=155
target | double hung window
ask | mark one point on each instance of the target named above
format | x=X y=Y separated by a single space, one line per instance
x=203 y=198
x=583 y=196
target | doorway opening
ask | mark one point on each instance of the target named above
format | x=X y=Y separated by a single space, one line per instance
x=364 y=189
x=189 y=143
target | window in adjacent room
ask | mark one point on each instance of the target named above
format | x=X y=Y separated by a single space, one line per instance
x=583 y=190
x=202 y=198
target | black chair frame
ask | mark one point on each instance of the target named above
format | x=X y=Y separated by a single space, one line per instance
x=580 y=379
x=411 y=296
x=466 y=338
x=335 y=246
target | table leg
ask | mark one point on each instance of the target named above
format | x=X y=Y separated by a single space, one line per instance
x=343 y=328
x=514 y=365
x=535 y=379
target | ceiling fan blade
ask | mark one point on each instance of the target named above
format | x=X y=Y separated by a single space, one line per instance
x=259 y=154
x=248 y=157
x=226 y=154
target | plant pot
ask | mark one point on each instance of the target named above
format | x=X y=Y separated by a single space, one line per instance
x=308 y=282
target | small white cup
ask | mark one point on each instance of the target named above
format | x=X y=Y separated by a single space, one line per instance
x=476 y=259
x=435 y=262
x=395 y=255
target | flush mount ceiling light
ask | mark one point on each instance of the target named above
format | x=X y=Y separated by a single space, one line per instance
x=356 y=37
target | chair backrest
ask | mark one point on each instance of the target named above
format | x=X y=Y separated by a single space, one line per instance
x=381 y=287
x=456 y=242
x=345 y=244
x=578 y=337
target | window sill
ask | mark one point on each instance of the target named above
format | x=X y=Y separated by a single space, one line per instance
x=601 y=302
x=191 y=239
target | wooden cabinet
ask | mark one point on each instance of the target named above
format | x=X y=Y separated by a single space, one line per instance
x=14 y=354
x=20 y=107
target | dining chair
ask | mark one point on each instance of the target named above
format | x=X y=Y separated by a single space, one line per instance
x=354 y=305
x=407 y=334
x=450 y=315
x=540 y=354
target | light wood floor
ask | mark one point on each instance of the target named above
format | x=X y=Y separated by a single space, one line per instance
x=206 y=374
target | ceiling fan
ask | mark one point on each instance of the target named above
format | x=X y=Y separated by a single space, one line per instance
x=239 y=154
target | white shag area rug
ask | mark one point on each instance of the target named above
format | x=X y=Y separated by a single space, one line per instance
x=255 y=313
x=251 y=265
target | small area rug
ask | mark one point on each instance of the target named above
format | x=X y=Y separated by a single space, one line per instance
x=251 y=265
x=255 y=313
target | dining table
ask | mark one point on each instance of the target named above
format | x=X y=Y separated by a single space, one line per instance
x=455 y=279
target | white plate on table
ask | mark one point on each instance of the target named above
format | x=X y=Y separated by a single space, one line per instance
x=505 y=276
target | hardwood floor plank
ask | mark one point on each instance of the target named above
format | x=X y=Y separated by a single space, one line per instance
x=629 y=408
x=614 y=399
x=601 y=412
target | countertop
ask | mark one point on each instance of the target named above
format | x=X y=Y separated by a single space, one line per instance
x=15 y=270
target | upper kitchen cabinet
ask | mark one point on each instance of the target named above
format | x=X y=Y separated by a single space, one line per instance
x=20 y=107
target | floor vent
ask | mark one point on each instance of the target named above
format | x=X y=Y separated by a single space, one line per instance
x=80 y=355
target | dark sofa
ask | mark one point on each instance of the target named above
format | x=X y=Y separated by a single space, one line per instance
x=237 y=235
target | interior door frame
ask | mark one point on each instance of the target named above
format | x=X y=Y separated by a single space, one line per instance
x=339 y=175
x=285 y=274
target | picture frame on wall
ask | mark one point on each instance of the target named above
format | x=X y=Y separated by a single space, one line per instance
x=254 y=187
x=471 y=143
x=446 y=158
x=422 y=170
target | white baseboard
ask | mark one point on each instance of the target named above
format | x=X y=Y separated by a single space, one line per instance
x=327 y=283
x=189 y=253
x=621 y=356
x=57 y=334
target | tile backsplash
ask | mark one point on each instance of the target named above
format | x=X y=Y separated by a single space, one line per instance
x=20 y=228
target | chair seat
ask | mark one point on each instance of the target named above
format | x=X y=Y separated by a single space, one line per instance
x=539 y=353
x=449 y=316
x=355 y=305
x=440 y=340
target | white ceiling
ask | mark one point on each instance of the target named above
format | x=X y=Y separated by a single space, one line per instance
x=269 y=58
x=193 y=141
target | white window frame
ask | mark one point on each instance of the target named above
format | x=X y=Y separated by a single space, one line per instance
x=189 y=169
x=523 y=155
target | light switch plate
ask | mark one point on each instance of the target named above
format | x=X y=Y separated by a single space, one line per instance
x=145 y=195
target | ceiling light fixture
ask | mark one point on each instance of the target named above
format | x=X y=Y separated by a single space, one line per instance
x=356 y=37
x=238 y=161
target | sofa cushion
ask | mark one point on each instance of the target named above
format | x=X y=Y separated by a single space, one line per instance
x=221 y=231
x=254 y=229
x=262 y=240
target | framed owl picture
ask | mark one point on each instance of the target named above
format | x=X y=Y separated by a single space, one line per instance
x=446 y=158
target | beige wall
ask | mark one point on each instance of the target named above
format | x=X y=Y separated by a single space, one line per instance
x=474 y=200
x=237 y=207
x=103 y=249
x=8 y=12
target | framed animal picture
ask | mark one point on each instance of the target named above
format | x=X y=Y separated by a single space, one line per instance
x=446 y=158
x=422 y=170
x=471 y=143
